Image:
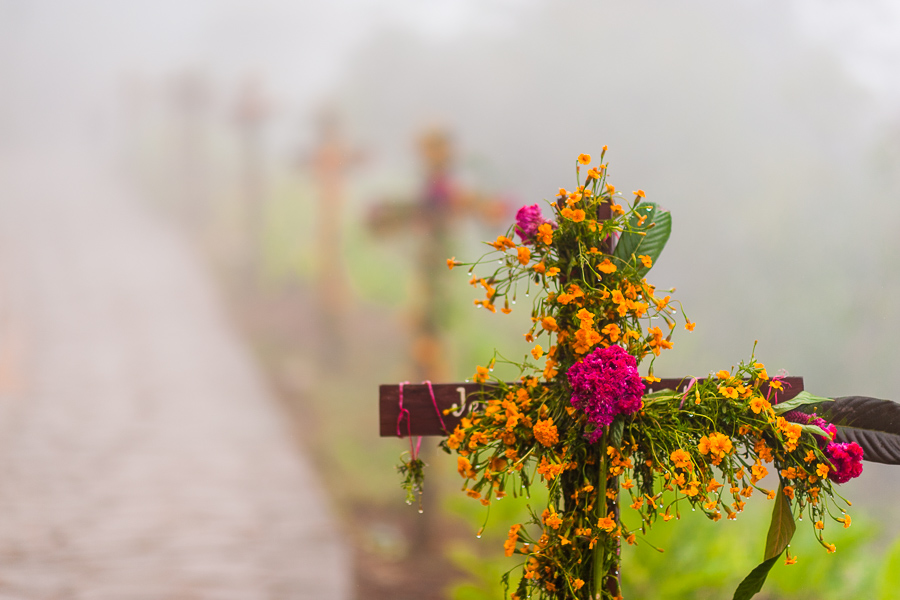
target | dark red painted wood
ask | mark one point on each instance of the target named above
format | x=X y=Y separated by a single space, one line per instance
x=424 y=419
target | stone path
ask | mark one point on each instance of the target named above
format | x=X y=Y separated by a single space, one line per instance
x=141 y=455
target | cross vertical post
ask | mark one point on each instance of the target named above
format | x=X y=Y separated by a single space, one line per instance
x=434 y=213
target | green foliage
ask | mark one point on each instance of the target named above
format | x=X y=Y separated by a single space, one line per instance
x=889 y=577
x=701 y=561
x=781 y=530
x=804 y=398
x=482 y=560
x=649 y=238
x=753 y=583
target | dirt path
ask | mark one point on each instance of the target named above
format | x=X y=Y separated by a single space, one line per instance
x=140 y=454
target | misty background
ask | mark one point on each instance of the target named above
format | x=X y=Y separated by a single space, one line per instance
x=770 y=130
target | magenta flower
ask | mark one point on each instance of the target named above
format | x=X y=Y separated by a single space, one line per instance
x=846 y=460
x=528 y=219
x=795 y=416
x=605 y=384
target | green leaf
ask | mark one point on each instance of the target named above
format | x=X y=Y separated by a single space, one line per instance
x=753 y=582
x=815 y=430
x=616 y=430
x=780 y=533
x=872 y=423
x=801 y=399
x=782 y=528
x=649 y=238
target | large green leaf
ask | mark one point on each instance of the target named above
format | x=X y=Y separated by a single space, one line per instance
x=872 y=423
x=649 y=238
x=802 y=399
x=753 y=582
x=781 y=530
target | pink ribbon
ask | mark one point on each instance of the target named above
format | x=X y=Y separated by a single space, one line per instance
x=414 y=451
x=689 y=388
x=434 y=403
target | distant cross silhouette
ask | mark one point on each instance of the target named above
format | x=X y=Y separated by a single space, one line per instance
x=191 y=99
x=434 y=213
x=441 y=204
x=251 y=112
x=331 y=160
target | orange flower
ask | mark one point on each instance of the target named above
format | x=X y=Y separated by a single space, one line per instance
x=646 y=261
x=612 y=331
x=465 y=467
x=759 y=404
x=717 y=444
x=452 y=262
x=552 y=519
x=537 y=352
x=545 y=432
x=607 y=523
x=606 y=267
x=524 y=255
x=545 y=233
x=549 y=323
x=690 y=326
x=503 y=243
x=584 y=159
x=640 y=193
x=681 y=459
x=510 y=544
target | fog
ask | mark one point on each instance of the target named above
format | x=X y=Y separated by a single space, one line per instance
x=770 y=130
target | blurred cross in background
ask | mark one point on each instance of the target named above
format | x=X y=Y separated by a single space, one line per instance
x=251 y=112
x=331 y=160
x=191 y=102
x=440 y=205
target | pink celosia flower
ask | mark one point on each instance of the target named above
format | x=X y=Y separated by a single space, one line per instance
x=846 y=460
x=795 y=416
x=528 y=219
x=605 y=384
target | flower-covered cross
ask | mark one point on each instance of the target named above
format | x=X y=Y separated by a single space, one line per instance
x=619 y=451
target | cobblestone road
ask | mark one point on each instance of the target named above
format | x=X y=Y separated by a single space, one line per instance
x=140 y=454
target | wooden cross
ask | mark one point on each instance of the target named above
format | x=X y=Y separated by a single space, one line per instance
x=440 y=203
x=456 y=398
x=461 y=398
x=330 y=161
x=251 y=111
x=191 y=100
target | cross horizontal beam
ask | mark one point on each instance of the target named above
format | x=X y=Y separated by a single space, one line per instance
x=423 y=418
